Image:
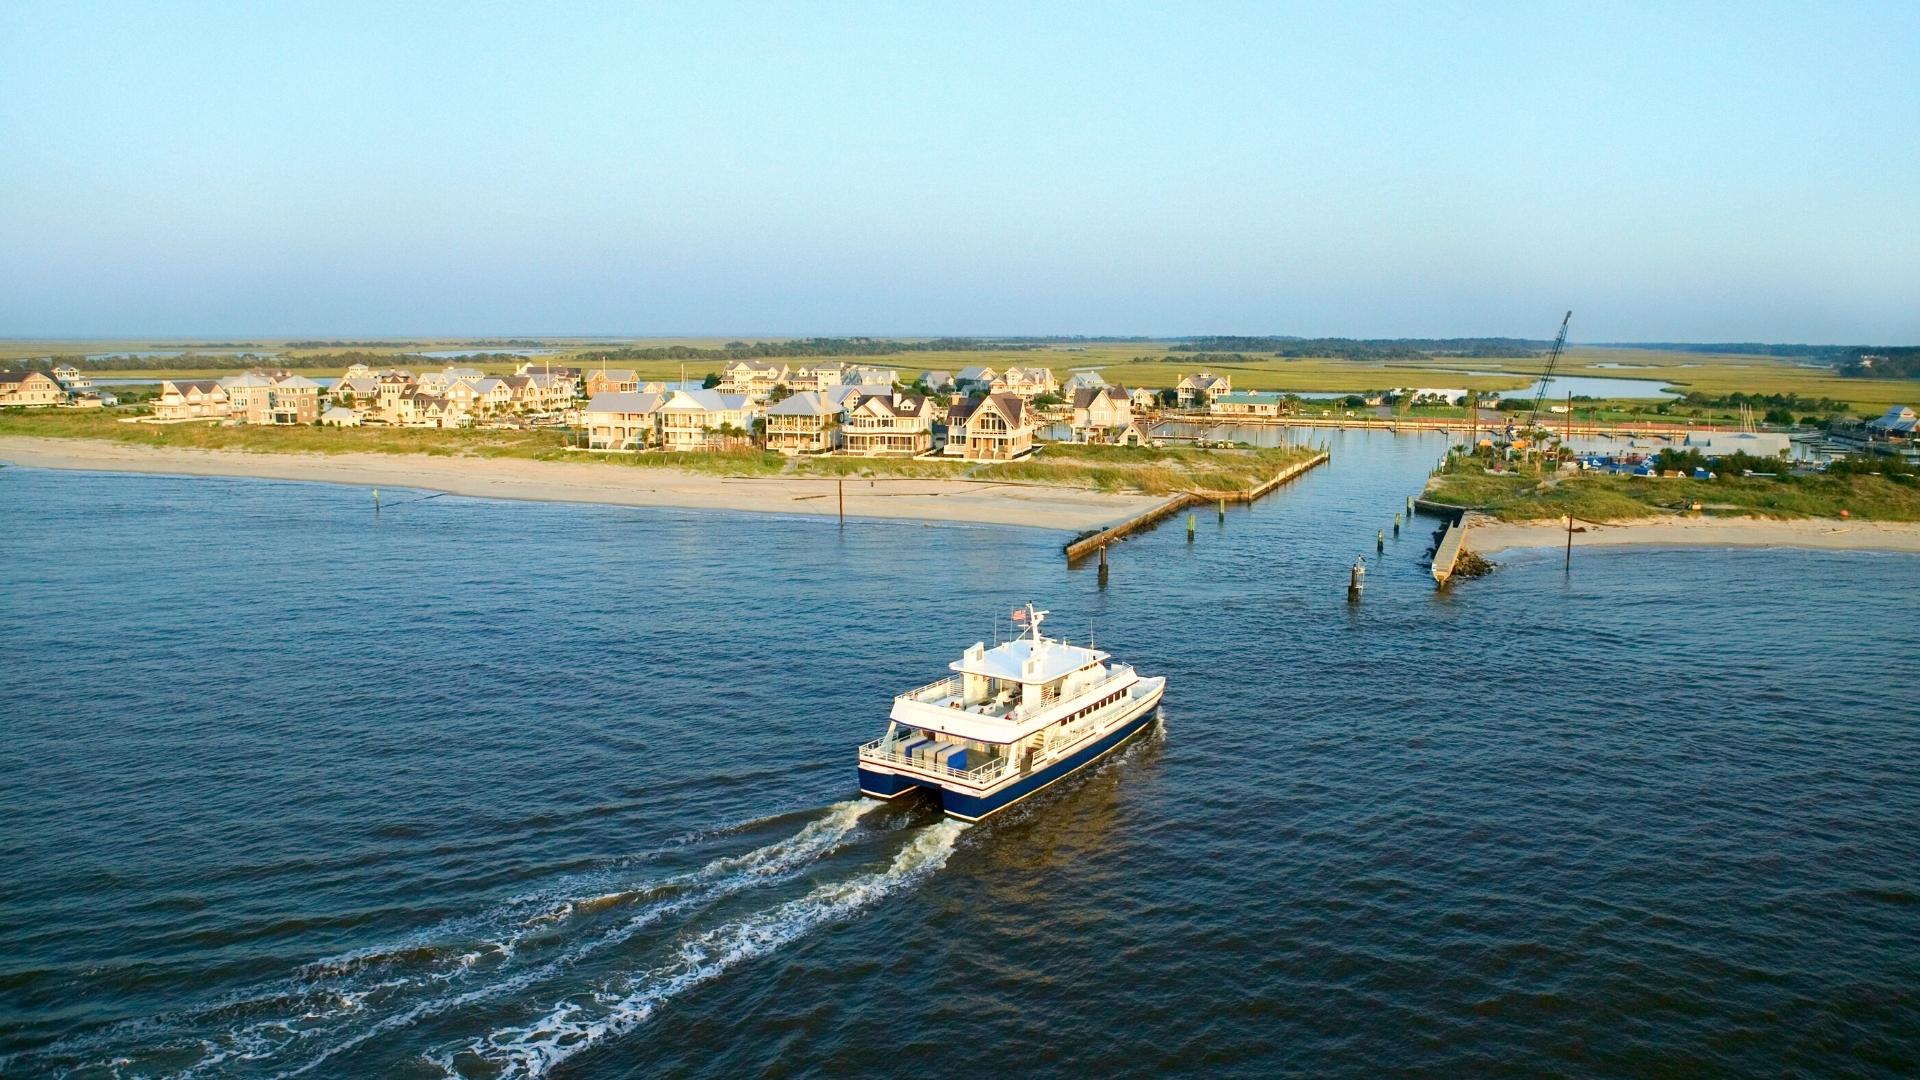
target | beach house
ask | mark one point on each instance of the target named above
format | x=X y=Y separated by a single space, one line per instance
x=888 y=425
x=72 y=379
x=1101 y=415
x=191 y=399
x=1200 y=388
x=976 y=378
x=806 y=422
x=996 y=427
x=703 y=419
x=272 y=397
x=816 y=376
x=623 y=420
x=31 y=389
x=1027 y=382
x=612 y=381
x=756 y=381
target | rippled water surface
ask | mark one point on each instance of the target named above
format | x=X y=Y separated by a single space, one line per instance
x=510 y=789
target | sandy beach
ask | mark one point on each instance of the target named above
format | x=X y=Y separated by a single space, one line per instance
x=1487 y=536
x=1030 y=505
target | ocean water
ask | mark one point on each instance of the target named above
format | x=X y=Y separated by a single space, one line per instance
x=499 y=789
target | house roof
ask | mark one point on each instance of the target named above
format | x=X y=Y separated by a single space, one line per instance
x=205 y=386
x=1010 y=405
x=616 y=374
x=1085 y=396
x=704 y=401
x=804 y=403
x=297 y=382
x=21 y=376
x=340 y=411
x=624 y=401
x=904 y=405
x=976 y=373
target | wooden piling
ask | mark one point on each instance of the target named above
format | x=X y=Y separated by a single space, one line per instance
x=1085 y=545
x=842 y=485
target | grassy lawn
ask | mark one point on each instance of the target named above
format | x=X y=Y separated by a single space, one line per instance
x=1602 y=498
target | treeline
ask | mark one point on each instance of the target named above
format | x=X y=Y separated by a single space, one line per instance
x=856 y=346
x=1364 y=348
x=207 y=345
x=352 y=344
x=1900 y=363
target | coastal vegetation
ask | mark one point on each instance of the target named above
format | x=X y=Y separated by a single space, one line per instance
x=1118 y=469
x=1869 y=489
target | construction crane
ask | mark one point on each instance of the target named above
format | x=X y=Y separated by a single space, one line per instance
x=1553 y=360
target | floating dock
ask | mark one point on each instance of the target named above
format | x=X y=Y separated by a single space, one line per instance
x=1093 y=542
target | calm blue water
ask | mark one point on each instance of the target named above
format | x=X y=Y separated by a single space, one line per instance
x=485 y=788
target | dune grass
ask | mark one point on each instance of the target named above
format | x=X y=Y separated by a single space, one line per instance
x=1600 y=497
x=1151 y=470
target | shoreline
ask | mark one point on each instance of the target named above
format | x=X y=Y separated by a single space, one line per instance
x=976 y=502
x=1488 y=536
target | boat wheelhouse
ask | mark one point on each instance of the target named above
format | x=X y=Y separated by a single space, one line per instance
x=1009 y=721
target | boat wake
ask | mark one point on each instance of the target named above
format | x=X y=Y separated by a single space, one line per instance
x=627 y=1002
x=573 y=947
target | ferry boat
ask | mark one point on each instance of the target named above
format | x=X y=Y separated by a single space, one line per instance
x=1009 y=721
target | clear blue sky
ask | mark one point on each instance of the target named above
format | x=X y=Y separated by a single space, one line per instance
x=1670 y=171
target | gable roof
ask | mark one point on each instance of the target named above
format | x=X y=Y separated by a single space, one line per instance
x=704 y=401
x=804 y=403
x=1085 y=396
x=1011 y=406
x=624 y=401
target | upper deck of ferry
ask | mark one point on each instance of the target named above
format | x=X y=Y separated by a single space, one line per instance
x=996 y=693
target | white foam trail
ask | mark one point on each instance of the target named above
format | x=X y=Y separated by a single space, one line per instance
x=571 y=1027
x=718 y=879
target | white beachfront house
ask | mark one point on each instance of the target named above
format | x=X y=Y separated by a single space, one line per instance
x=700 y=419
x=756 y=381
x=806 y=422
x=623 y=420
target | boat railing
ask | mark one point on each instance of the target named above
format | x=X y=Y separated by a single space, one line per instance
x=934 y=691
x=882 y=750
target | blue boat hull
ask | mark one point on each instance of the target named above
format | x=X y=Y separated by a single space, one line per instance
x=966 y=807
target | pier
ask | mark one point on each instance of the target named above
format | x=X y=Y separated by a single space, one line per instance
x=1088 y=544
x=1447 y=552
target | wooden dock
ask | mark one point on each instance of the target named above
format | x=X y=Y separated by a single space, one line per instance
x=1447 y=552
x=1087 y=545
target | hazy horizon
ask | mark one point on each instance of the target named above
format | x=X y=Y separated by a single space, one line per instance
x=1705 y=173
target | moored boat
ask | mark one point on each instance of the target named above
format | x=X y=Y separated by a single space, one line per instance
x=1009 y=721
